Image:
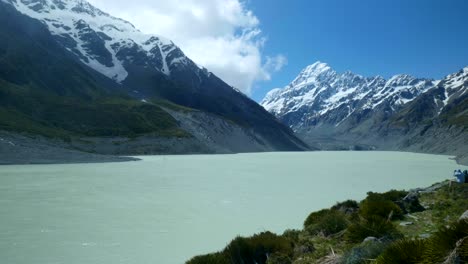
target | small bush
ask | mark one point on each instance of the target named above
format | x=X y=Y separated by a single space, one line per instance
x=348 y=206
x=373 y=226
x=403 y=251
x=392 y=195
x=216 y=258
x=252 y=250
x=278 y=258
x=256 y=249
x=292 y=235
x=382 y=209
x=379 y=205
x=330 y=223
x=444 y=241
x=315 y=217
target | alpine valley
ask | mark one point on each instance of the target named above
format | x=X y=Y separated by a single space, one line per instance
x=333 y=110
x=75 y=80
x=79 y=85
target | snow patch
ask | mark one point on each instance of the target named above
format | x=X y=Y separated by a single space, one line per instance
x=274 y=106
x=61 y=21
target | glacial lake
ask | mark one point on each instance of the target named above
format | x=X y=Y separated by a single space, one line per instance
x=166 y=209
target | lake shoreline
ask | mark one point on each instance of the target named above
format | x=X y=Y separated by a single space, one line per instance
x=89 y=158
x=422 y=214
x=17 y=149
x=60 y=156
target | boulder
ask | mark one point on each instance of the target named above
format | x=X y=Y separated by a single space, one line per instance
x=410 y=203
x=373 y=239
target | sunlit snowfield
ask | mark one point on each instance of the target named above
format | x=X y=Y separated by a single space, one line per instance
x=166 y=209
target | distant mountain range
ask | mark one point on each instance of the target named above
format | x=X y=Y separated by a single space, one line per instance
x=348 y=111
x=69 y=70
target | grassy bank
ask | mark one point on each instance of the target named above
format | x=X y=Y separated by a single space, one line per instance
x=420 y=226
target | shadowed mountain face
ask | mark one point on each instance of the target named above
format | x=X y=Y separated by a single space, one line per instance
x=346 y=110
x=69 y=69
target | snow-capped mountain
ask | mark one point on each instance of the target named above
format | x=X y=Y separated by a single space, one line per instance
x=454 y=86
x=321 y=96
x=72 y=63
x=107 y=44
x=344 y=110
x=446 y=101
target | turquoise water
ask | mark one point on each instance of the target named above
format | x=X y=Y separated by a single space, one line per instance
x=166 y=209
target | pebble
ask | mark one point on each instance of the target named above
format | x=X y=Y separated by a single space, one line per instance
x=406 y=223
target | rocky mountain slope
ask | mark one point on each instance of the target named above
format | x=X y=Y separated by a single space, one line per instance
x=69 y=70
x=346 y=110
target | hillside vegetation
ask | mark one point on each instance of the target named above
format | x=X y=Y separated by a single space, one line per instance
x=420 y=226
x=29 y=110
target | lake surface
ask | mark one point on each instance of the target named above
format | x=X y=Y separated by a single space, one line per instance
x=166 y=209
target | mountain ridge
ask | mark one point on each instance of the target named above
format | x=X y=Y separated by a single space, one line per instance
x=49 y=90
x=320 y=89
x=344 y=110
x=86 y=28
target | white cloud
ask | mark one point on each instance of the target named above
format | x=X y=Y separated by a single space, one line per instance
x=221 y=35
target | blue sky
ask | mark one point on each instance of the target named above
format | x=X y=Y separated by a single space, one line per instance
x=425 y=38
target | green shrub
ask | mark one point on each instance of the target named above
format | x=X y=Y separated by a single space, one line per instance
x=38 y=111
x=216 y=258
x=255 y=249
x=315 y=217
x=330 y=223
x=382 y=205
x=403 y=251
x=251 y=250
x=292 y=234
x=444 y=241
x=278 y=258
x=392 y=195
x=348 y=206
x=239 y=251
x=380 y=208
x=373 y=226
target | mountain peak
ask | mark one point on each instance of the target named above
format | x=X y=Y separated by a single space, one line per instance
x=316 y=72
x=319 y=91
x=316 y=69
